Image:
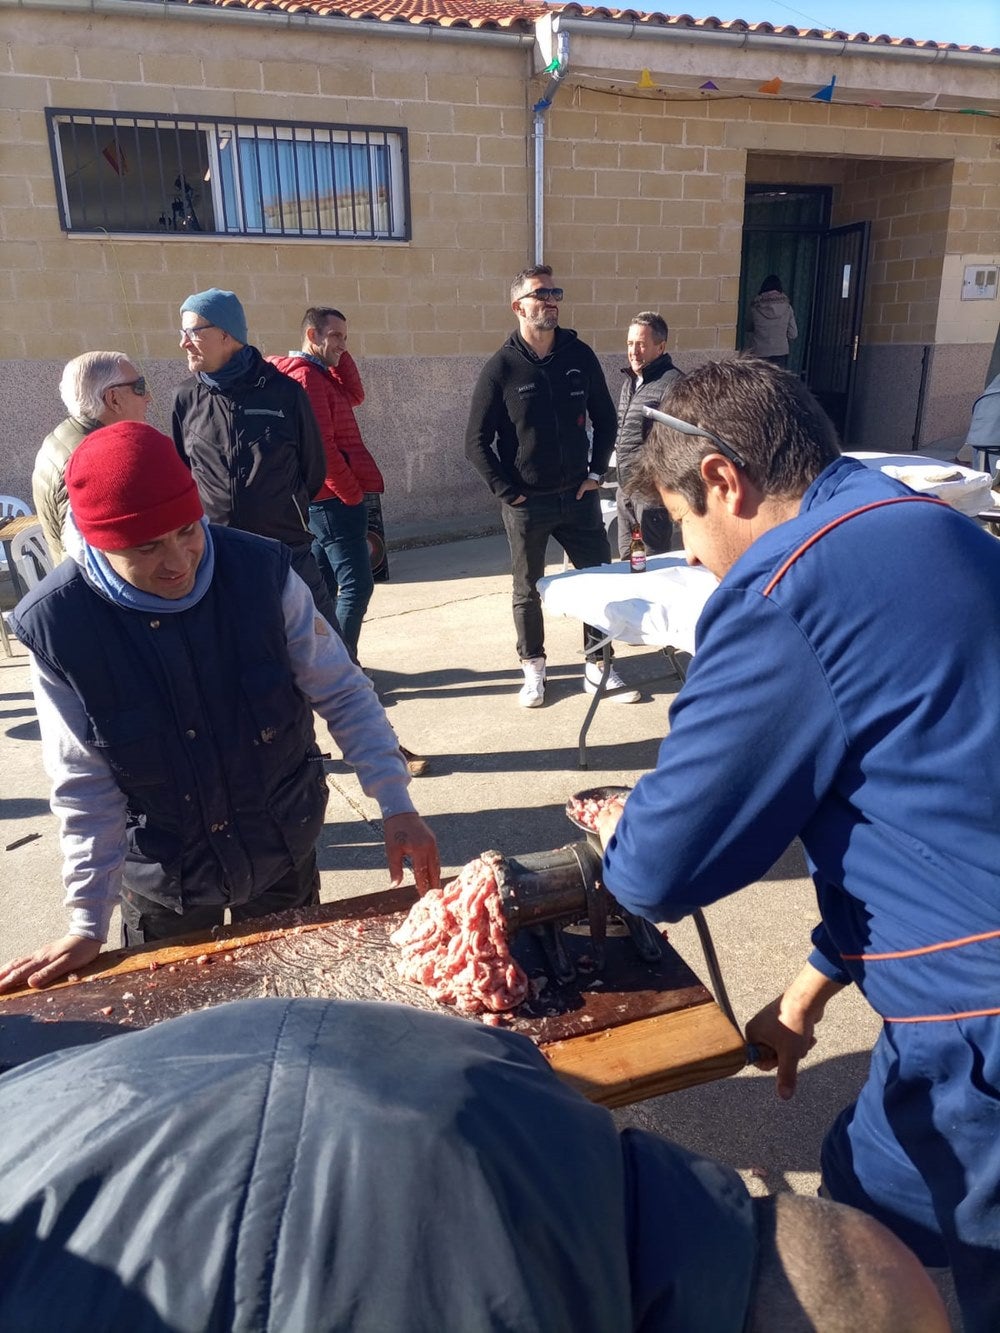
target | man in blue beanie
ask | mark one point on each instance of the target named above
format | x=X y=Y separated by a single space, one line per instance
x=248 y=434
x=366 y=1168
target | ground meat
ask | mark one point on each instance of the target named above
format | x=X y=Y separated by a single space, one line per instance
x=454 y=944
x=587 y=811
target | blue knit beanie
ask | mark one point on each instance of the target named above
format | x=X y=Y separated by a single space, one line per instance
x=220 y=308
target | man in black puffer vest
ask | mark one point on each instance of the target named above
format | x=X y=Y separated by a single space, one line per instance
x=176 y=667
x=648 y=377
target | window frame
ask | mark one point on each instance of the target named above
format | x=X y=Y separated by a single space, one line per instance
x=384 y=153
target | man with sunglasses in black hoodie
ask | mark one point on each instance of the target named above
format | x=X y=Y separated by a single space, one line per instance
x=527 y=438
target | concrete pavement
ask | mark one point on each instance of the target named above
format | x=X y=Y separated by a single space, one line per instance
x=439 y=641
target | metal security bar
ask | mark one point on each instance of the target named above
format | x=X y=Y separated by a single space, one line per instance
x=127 y=172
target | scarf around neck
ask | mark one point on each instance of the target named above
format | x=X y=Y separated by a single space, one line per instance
x=113 y=588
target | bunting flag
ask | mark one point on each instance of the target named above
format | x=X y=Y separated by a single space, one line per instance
x=645 y=80
x=114 y=155
x=875 y=103
x=772 y=86
x=930 y=104
x=825 y=94
x=708 y=87
x=552 y=66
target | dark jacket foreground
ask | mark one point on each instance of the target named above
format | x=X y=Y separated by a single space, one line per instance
x=312 y=1165
x=255 y=451
x=527 y=431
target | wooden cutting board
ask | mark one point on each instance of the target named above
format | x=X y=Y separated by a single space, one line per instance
x=632 y=1030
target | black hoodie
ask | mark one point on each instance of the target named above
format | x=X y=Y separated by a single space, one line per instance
x=535 y=410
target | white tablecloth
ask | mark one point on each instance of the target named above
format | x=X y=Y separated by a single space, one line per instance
x=967 y=490
x=659 y=608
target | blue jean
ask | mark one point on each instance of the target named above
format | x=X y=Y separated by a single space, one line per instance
x=340 y=545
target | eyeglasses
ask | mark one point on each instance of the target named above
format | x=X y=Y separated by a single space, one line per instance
x=138 y=386
x=543 y=294
x=686 y=428
x=195 y=333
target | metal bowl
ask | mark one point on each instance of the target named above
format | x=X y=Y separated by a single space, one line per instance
x=593 y=794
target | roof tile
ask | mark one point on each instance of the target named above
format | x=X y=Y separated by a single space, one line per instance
x=519 y=16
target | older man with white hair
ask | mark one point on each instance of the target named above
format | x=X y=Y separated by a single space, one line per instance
x=98 y=389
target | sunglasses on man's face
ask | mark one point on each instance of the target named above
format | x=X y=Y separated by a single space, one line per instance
x=686 y=428
x=544 y=294
x=138 y=386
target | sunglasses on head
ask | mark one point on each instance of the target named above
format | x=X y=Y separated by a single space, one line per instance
x=686 y=428
x=138 y=386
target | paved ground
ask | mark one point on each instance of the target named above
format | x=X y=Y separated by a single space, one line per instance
x=439 y=640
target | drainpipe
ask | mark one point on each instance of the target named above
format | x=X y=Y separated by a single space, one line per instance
x=558 y=71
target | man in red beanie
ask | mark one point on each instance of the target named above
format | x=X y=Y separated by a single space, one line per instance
x=176 y=666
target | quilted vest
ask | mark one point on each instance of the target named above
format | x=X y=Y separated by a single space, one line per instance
x=198 y=716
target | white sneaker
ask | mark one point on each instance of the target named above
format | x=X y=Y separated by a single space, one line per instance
x=592 y=674
x=532 y=693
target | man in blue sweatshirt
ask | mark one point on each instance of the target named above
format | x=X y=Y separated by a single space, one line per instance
x=176 y=666
x=843 y=692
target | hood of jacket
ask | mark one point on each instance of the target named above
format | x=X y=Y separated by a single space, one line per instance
x=771 y=305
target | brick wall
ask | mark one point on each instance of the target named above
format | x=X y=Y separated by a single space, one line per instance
x=644 y=209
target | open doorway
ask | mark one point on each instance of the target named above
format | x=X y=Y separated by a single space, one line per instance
x=787 y=233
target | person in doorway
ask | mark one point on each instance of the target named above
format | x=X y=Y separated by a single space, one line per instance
x=527 y=438
x=648 y=376
x=837 y=695
x=176 y=667
x=771 y=322
x=391 y=1169
x=249 y=435
x=98 y=389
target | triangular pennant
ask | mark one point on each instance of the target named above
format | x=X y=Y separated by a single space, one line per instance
x=552 y=66
x=974 y=111
x=708 y=87
x=875 y=103
x=930 y=104
x=825 y=94
x=772 y=86
x=645 y=80
x=114 y=155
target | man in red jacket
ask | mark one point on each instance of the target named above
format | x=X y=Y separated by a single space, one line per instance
x=338 y=515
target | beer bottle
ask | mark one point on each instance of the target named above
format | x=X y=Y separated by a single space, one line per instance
x=637 y=552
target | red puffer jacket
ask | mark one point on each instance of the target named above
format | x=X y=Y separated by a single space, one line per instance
x=334 y=392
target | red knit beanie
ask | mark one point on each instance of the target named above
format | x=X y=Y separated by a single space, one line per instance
x=127 y=485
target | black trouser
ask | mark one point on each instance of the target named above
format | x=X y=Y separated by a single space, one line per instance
x=654 y=522
x=579 y=529
x=144 y=921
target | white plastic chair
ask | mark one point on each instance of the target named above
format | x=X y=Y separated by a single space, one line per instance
x=12 y=507
x=31 y=555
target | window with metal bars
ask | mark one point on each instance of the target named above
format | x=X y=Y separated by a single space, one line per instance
x=126 y=172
